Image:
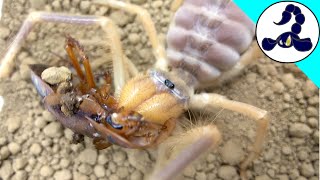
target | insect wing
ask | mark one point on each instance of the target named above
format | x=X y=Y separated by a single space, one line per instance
x=42 y=88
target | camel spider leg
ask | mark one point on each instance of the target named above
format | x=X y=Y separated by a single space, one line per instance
x=250 y=55
x=175 y=5
x=108 y=26
x=200 y=101
x=145 y=18
x=209 y=139
x=193 y=143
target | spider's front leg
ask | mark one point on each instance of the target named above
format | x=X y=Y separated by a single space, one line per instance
x=175 y=5
x=108 y=26
x=145 y=19
x=261 y=117
x=180 y=150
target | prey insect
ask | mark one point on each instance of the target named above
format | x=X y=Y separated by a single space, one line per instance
x=209 y=42
x=80 y=105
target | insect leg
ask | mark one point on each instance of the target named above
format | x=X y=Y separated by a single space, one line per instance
x=72 y=43
x=101 y=143
x=69 y=48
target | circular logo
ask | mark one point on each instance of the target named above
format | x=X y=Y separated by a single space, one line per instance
x=287 y=31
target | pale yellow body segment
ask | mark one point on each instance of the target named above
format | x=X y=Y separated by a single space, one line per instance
x=160 y=108
x=155 y=104
x=137 y=90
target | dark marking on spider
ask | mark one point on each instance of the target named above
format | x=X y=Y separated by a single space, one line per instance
x=169 y=84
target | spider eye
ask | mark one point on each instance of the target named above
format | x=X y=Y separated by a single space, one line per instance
x=169 y=84
x=112 y=124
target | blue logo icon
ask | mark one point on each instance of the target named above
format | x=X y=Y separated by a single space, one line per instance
x=290 y=38
x=287 y=31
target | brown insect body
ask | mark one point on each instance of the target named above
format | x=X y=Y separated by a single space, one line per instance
x=77 y=123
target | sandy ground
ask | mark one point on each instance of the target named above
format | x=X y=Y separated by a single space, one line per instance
x=34 y=146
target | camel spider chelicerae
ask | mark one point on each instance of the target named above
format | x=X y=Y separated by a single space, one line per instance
x=209 y=42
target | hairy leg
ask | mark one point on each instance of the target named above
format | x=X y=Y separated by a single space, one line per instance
x=7 y=62
x=203 y=100
x=145 y=18
x=181 y=150
x=175 y=5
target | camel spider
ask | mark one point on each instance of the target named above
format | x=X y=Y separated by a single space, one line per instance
x=163 y=94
